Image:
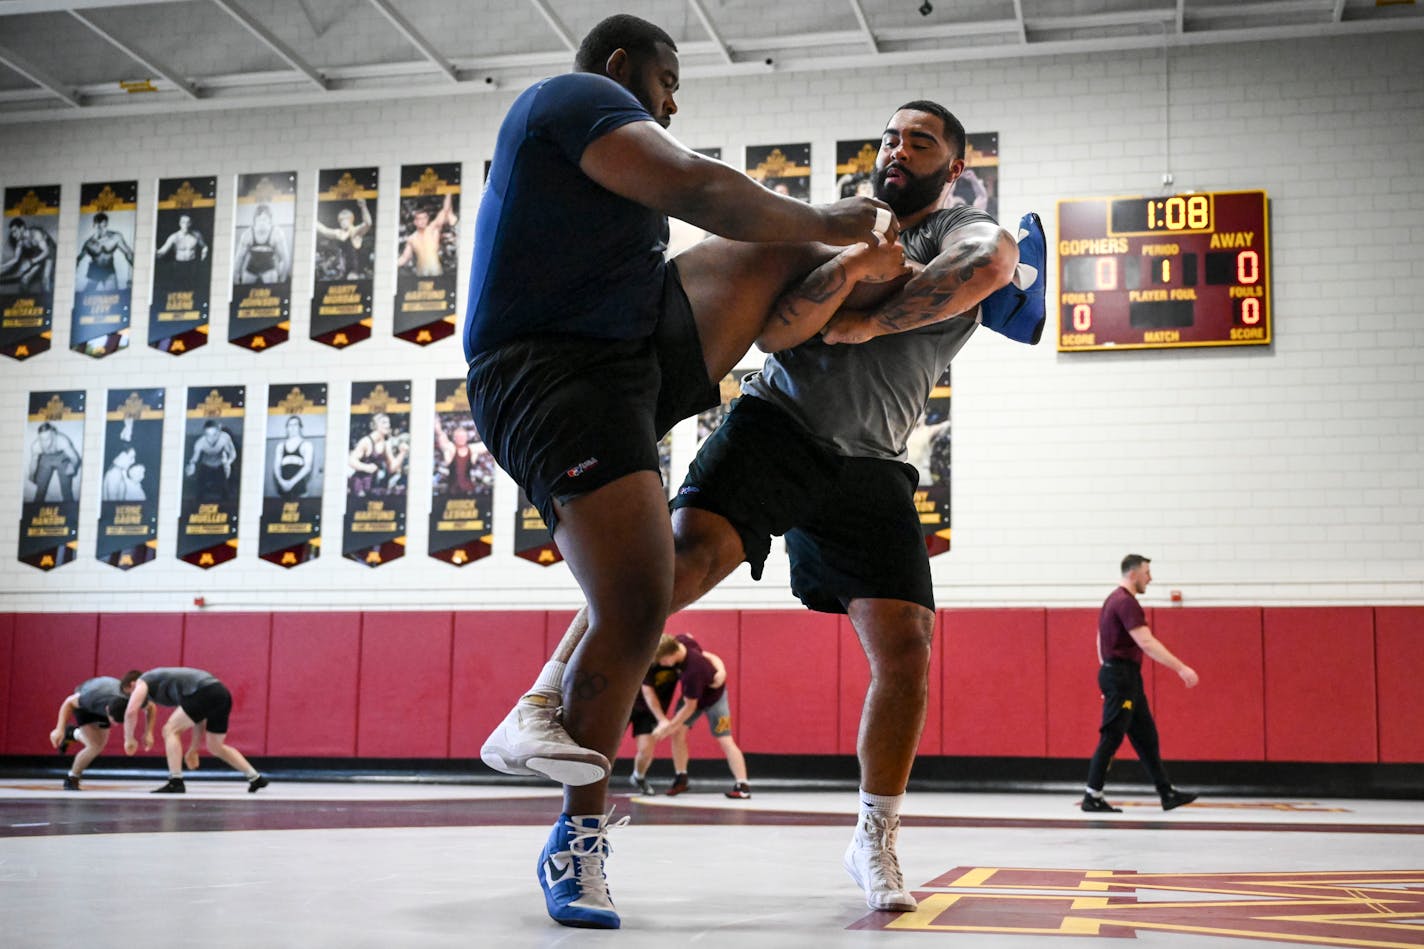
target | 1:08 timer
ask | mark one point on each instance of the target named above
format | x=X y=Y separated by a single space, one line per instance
x=1178 y=214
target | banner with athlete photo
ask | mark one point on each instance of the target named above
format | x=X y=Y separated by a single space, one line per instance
x=928 y=450
x=377 y=472
x=979 y=183
x=730 y=389
x=264 y=228
x=531 y=538
x=27 y=269
x=462 y=490
x=428 y=249
x=212 y=469
x=103 y=275
x=129 y=489
x=53 y=459
x=178 y=312
x=290 y=533
x=344 y=268
x=785 y=169
x=855 y=163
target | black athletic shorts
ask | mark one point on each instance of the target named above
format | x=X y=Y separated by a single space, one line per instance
x=567 y=415
x=211 y=704
x=84 y=717
x=851 y=526
x=642 y=721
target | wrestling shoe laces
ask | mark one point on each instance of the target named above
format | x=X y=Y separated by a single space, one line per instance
x=872 y=863
x=571 y=871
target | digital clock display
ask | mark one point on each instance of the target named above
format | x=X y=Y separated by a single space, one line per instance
x=1163 y=272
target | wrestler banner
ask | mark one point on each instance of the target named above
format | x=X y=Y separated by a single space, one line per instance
x=730 y=388
x=427 y=267
x=291 y=485
x=128 y=492
x=49 y=507
x=928 y=451
x=855 y=163
x=378 y=467
x=103 y=273
x=264 y=225
x=212 y=441
x=27 y=273
x=462 y=490
x=344 y=267
x=785 y=169
x=978 y=184
x=182 y=265
x=532 y=540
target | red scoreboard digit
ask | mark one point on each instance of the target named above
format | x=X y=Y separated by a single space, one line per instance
x=1164 y=272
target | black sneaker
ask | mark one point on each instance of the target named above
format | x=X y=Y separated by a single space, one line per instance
x=1174 y=799
x=257 y=784
x=740 y=790
x=1099 y=805
x=71 y=783
x=679 y=784
x=174 y=786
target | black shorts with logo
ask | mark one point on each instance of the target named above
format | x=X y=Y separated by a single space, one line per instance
x=566 y=415
x=851 y=527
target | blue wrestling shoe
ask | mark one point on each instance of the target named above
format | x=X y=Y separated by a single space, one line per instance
x=1019 y=309
x=571 y=872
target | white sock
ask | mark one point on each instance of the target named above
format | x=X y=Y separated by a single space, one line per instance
x=251 y=775
x=549 y=685
x=880 y=805
x=1094 y=793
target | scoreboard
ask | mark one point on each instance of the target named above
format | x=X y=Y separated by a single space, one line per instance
x=1164 y=272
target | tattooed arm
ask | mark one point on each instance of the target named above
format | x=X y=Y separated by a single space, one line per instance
x=803 y=311
x=973 y=262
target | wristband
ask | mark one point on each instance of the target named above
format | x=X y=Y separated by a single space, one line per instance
x=882 y=221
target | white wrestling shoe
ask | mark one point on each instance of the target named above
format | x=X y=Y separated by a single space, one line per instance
x=871 y=862
x=532 y=740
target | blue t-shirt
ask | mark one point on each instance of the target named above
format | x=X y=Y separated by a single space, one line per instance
x=555 y=252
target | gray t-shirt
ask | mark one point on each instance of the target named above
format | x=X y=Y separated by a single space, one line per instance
x=865 y=399
x=95 y=694
x=170 y=685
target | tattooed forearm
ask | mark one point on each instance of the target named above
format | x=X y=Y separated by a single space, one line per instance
x=823 y=283
x=931 y=295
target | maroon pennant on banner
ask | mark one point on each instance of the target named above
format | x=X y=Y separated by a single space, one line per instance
x=531 y=537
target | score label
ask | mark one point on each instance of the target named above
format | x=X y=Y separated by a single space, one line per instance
x=1164 y=272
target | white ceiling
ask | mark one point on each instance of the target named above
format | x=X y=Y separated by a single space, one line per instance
x=67 y=59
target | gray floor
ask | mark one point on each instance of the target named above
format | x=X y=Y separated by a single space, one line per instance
x=318 y=865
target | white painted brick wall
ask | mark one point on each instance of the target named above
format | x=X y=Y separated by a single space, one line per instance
x=1282 y=475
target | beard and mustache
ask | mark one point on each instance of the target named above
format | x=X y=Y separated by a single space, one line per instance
x=914 y=194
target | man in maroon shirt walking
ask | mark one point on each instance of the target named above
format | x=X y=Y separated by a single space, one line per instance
x=1123 y=637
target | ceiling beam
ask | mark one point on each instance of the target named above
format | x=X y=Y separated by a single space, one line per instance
x=143 y=59
x=556 y=25
x=416 y=39
x=40 y=78
x=1338 y=13
x=1019 y=16
x=711 y=29
x=865 y=26
x=1182 y=16
x=15 y=7
x=287 y=54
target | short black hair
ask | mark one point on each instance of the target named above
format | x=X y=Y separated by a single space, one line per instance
x=953 y=128
x=620 y=31
x=101 y=218
x=129 y=679
x=1132 y=562
x=118 y=708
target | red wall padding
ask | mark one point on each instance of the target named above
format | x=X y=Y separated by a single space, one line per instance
x=312 y=701
x=237 y=648
x=1223 y=718
x=1074 y=705
x=52 y=653
x=789 y=692
x=1280 y=684
x=996 y=682
x=7 y=645
x=497 y=657
x=1320 y=684
x=1399 y=638
x=404 y=702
